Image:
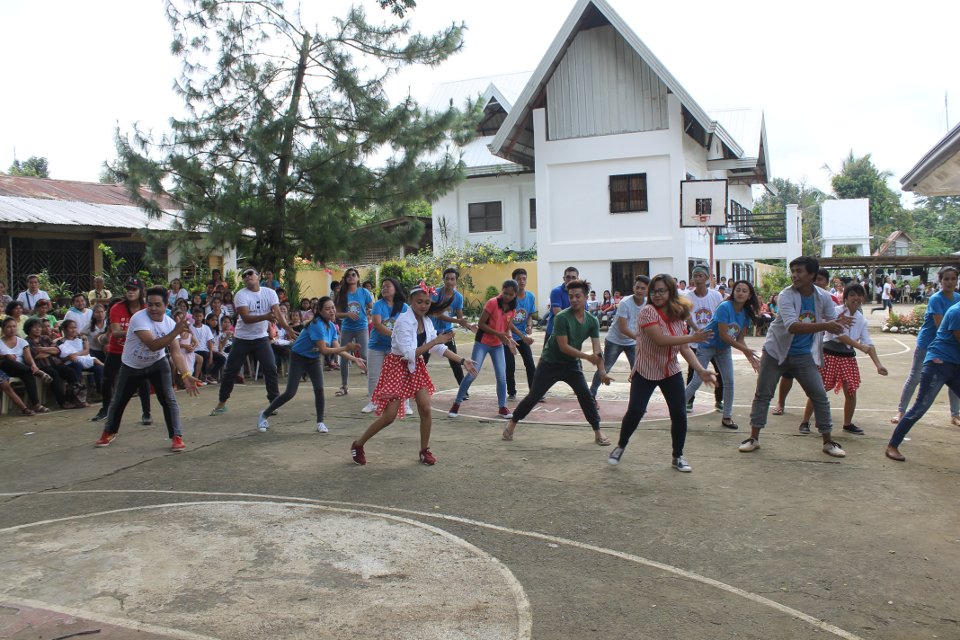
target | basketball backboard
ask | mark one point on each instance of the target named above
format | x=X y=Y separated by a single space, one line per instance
x=703 y=203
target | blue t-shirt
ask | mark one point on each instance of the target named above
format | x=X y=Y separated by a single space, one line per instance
x=378 y=341
x=937 y=305
x=803 y=342
x=443 y=326
x=727 y=314
x=526 y=306
x=306 y=343
x=945 y=345
x=357 y=302
x=558 y=298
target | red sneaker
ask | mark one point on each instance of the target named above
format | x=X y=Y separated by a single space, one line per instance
x=176 y=444
x=356 y=452
x=426 y=457
x=505 y=413
x=105 y=439
x=454 y=410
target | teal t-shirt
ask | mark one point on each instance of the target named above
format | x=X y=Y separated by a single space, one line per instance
x=316 y=330
x=803 y=342
x=735 y=321
x=378 y=341
x=945 y=346
x=526 y=306
x=357 y=301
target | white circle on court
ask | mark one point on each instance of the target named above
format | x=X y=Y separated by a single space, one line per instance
x=264 y=569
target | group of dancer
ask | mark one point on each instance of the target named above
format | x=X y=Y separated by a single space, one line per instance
x=812 y=340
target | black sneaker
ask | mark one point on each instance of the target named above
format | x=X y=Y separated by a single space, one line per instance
x=852 y=428
x=511 y=397
x=718 y=406
x=805 y=428
x=145 y=419
x=100 y=416
x=690 y=406
x=615 y=455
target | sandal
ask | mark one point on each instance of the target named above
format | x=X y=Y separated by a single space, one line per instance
x=342 y=391
x=507 y=435
x=603 y=442
x=897 y=418
x=729 y=423
x=777 y=410
x=955 y=421
x=27 y=411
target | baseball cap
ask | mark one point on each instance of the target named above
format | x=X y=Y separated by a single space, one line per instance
x=135 y=283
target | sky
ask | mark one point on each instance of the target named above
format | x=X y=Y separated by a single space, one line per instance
x=831 y=77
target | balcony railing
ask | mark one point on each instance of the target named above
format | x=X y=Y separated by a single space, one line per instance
x=746 y=227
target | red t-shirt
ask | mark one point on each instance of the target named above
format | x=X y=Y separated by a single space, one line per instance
x=499 y=320
x=121 y=316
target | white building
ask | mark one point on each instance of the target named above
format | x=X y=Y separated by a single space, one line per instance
x=586 y=163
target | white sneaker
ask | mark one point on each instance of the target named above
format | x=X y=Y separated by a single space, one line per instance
x=262 y=423
x=681 y=465
x=322 y=428
x=831 y=448
x=370 y=408
x=748 y=445
x=407 y=409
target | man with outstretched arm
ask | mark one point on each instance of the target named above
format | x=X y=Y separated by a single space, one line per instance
x=794 y=345
x=150 y=334
x=560 y=361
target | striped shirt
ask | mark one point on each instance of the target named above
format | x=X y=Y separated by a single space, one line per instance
x=656 y=362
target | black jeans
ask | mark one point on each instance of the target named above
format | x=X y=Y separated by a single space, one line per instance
x=549 y=374
x=16 y=369
x=527 y=355
x=62 y=375
x=111 y=367
x=263 y=353
x=456 y=366
x=298 y=365
x=673 y=391
x=129 y=380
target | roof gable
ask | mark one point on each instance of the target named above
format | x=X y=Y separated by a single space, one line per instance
x=514 y=141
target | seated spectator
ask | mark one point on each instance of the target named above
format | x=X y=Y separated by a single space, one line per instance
x=75 y=353
x=175 y=293
x=203 y=336
x=7 y=389
x=99 y=293
x=306 y=310
x=97 y=335
x=227 y=301
x=269 y=281
x=46 y=356
x=17 y=361
x=15 y=310
x=607 y=309
x=42 y=311
x=32 y=295
x=79 y=313
x=215 y=348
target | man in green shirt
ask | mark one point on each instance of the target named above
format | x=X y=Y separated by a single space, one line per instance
x=560 y=361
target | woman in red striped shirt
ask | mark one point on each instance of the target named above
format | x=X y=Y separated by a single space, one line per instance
x=662 y=333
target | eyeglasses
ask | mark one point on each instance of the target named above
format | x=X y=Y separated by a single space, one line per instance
x=659 y=292
x=249 y=273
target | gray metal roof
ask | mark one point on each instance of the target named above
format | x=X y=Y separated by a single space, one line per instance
x=20 y=212
x=938 y=172
x=506 y=88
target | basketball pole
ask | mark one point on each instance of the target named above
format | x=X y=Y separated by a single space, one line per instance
x=711 y=231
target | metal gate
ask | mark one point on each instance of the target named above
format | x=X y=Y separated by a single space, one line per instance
x=69 y=261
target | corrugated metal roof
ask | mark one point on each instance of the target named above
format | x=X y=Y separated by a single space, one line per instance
x=743 y=125
x=509 y=86
x=72 y=190
x=39 y=211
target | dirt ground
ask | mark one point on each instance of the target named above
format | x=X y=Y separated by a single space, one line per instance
x=279 y=534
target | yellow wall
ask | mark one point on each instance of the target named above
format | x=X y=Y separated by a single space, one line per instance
x=761 y=270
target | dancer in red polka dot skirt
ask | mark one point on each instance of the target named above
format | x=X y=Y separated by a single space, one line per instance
x=840 y=370
x=404 y=374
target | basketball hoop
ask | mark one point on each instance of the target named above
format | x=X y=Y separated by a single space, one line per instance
x=703 y=229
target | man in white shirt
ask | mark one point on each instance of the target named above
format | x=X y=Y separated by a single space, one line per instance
x=150 y=333
x=33 y=293
x=80 y=314
x=256 y=307
x=705 y=302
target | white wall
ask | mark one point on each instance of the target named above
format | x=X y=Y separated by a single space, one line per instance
x=512 y=190
x=845 y=222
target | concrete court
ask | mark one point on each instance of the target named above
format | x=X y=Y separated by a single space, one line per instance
x=249 y=535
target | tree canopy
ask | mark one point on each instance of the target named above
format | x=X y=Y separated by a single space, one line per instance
x=34 y=166
x=289 y=134
x=859 y=178
x=807 y=198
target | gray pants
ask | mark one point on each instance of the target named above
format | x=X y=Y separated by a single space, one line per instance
x=804 y=370
x=299 y=365
x=374 y=367
x=360 y=336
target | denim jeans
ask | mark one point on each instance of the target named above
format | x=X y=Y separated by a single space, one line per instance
x=913 y=378
x=480 y=352
x=129 y=381
x=640 y=391
x=298 y=366
x=612 y=351
x=933 y=376
x=549 y=374
x=805 y=371
x=723 y=358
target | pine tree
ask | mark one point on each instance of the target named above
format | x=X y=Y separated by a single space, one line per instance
x=290 y=133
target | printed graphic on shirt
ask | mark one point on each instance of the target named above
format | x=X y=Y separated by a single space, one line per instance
x=807 y=317
x=354 y=307
x=702 y=316
x=733 y=330
x=520 y=316
x=389 y=323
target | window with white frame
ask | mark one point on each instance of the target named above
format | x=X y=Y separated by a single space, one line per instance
x=485 y=216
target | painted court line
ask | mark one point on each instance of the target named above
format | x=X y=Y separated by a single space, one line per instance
x=683 y=573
